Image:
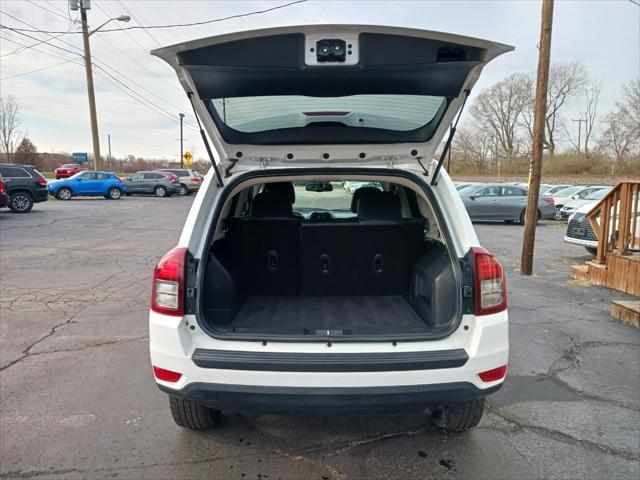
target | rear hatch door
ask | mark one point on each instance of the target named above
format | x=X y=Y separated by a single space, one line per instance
x=329 y=94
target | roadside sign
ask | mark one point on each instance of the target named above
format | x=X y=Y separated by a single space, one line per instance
x=80 y=157
x=188 y=164
x=187 y=156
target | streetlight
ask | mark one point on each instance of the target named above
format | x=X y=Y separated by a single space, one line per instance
x=121 y=18
x=93 y=116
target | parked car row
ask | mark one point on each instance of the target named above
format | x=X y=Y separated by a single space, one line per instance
x=507 y=201
x=21 y=186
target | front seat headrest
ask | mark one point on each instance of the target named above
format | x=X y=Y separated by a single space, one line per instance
x=358 y=193
x=381 y=207
x=282 y=188
x=270 y=204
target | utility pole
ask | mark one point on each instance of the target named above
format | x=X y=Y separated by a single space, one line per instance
x=540 y=109
x=579 y=121
x=93 y=116
x=109 y=139
x=181 y=142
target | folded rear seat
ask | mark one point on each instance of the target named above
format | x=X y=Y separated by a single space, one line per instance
x=374 y=256
x=267 y=245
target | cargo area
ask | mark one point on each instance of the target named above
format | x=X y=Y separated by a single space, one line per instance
x=286 y=270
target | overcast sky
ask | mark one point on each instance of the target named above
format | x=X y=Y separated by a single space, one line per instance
x=605 y=35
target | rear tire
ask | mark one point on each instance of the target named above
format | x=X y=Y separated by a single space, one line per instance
x=458 y=417
x=64 y=194
x=20 y=202
x=523 y=215
x=160 y=191
x=114 y=193
x=192 y=415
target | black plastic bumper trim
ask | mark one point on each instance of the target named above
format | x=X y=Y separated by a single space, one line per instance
x=329 y=362
x=327 y=400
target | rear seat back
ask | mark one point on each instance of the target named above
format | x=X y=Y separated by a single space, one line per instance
x=280 y=255
x=267 y=246
x=375 y=256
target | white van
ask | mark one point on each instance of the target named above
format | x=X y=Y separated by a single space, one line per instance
x=289 y=294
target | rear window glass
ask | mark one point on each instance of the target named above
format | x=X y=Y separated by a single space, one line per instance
x=178 y=172
x=389 y=112
x=14 y=172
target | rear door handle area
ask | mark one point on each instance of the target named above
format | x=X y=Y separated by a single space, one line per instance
x=378 y=263
x=272 y=260
x=324 y=263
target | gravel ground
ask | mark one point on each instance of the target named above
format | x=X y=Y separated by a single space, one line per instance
x=78 y=398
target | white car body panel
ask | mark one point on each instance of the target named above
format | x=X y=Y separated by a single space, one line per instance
x=173 y=340
x=377 y=154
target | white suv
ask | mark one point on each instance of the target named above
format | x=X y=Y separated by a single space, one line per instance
x=284 y=297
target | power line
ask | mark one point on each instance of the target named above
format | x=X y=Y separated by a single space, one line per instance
x=116 y=84
x=36 y=38
x=131 y=58
x=45 y=8
x=175 y=25
x=27 y=47
x=169 y=114
x=36 y=70
x=64 y=12
x=100 y=61
x=137 y=20
x=38 y=50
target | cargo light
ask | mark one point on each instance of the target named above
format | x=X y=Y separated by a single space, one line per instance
x=167 y=290
x=489 y=283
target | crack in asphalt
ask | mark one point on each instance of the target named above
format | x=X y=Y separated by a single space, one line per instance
x=297 y=457
x=563 y=437
x=26 y=352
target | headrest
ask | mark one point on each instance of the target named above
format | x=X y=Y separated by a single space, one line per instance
x=282 y=188
x=358 y=193
x=380 y=207
x=270 y=204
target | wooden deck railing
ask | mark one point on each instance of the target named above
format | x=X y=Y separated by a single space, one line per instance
x=615 y=220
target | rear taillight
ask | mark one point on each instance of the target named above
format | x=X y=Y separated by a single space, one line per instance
x=489 y=283
x=493 y=375
x=167 y=290
x=196 y=179
x=166 y=375
x=42 y=181
x=549 y=200
x=1 y=186
x=119 y=179
x=173 y=178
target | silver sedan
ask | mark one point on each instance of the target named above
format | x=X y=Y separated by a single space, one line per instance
x=502 y=202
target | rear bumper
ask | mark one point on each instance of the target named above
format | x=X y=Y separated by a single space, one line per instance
x=301 y=400
x=41 y=195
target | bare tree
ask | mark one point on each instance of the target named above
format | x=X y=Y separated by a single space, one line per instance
x=471 y=150
x=10 y=121
x=566 y=81
x=497 y=111
x=621 y=136
x=592 y=98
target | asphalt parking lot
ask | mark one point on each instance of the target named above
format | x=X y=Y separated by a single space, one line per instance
x=78 y=398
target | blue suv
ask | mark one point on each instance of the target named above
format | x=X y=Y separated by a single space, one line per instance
x=89 y=183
